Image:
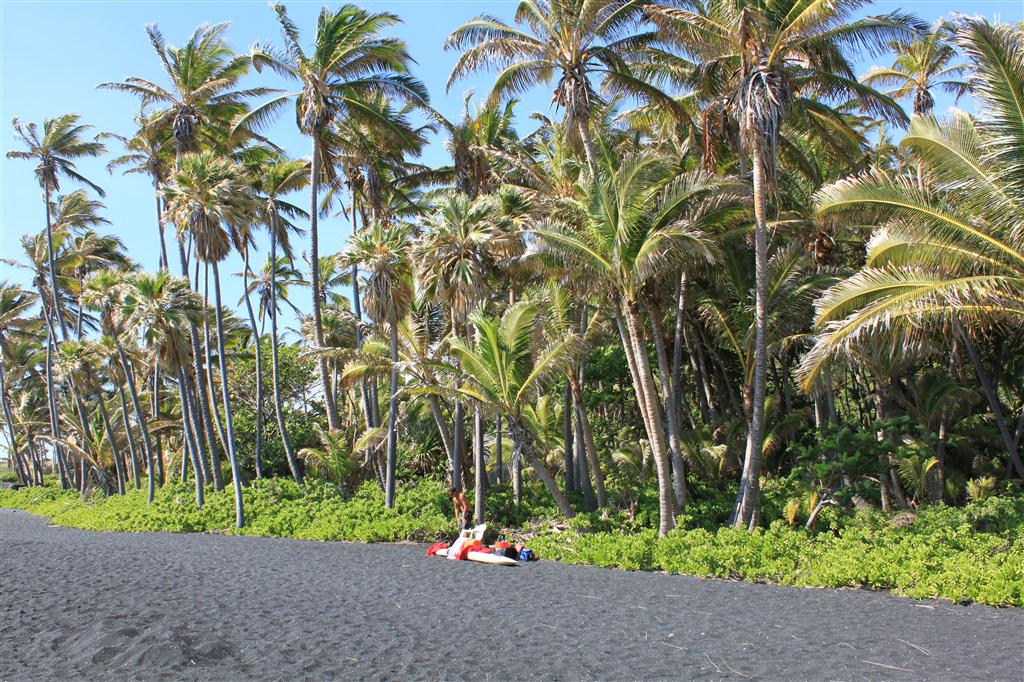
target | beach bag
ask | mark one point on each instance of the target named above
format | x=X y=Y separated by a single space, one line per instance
x=526 y=555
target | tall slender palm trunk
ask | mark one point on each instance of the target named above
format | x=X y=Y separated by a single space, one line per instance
x=748 y=506
x=207 y=436
x=236 y=473
x=114 y=449
x=333 y=421
x=136 y=481
x=656 y=434
x=524 y=447
x=258 y=451
x=193 y=447
x=392 y=462
x=286 y=441
x=668 y=401
x=147 y=446
x=567 y=435
x=165 y=264
x=1009 y=442
x=23 y=475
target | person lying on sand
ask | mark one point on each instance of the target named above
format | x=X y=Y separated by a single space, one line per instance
x=463 y=509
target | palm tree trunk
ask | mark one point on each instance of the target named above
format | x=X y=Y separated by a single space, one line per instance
x=51 y=403
x=208 y=440
x=588 y=146
x=582 y=467
x=459 y=418
x=523 y=444
x=147 y=447
x=993 y=402
x=676 y=372
x=585 y=430
x=701 y=377
x=392 y=462
x=165 y=265
x=671 y=412
x=480 y=469
x=497 y=451
x=53 y=269
x=657 y=434
x=9 y=418
x=747 y=512
x=259 y=368
x=286 y=441
x=114 y=450
x=236 y=473
x=193 y=447
x=136 y=481
x=208 y=360
x=333 y=423
x=567 y=435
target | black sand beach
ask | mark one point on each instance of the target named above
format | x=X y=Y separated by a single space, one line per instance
x=83 y=605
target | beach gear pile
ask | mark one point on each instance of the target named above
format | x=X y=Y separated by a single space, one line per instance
x=466 y=543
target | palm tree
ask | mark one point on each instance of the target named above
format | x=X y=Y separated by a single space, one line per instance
x=14 y=302
x=572 y=40
x=271 y=182
x=922 y=66
x=202 y=96
x=384 y=250
x=160 y=309
x=504 y=370
x=148 y=152
x=195 y=110
x=103 y=292
x=54 y=152
x=636 y=219
x=456 y=256
x=349 y=64
x=949 y=256
x=209 y=201
x=766 y=64
x=471 y=142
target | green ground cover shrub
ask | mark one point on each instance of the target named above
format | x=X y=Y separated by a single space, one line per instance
x=973 y=553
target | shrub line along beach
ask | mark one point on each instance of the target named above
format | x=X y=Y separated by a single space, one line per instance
x=968 y=554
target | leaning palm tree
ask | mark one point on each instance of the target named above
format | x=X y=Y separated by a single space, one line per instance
x=384 y=251
x=55 y=152
x=349 y=64
x=637 y=218
x=575 y=41
x=14 y=303
x=209 y=201
x=949 y=256
x=505 y=370
x=764 y=64
x=103 y=292
x=159 y=308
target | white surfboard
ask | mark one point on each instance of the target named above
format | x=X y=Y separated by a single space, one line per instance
x=484 y=558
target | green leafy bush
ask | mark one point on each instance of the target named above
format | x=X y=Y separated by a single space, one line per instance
x=973 y=553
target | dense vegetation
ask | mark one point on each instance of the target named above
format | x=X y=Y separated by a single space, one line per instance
x=973 y=553
x=722 y=291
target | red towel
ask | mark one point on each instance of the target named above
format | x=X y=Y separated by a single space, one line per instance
x=433 y=549
x=471 y=546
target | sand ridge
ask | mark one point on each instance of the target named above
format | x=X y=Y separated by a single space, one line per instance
x=82 y=605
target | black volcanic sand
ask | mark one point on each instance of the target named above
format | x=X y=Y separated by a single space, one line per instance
x=82 y=605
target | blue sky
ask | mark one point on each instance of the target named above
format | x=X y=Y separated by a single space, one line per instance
x=53 y=54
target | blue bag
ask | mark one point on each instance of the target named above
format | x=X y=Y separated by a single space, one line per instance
x=526 y=555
